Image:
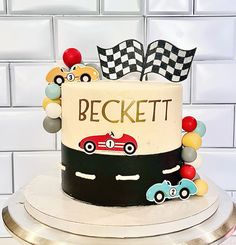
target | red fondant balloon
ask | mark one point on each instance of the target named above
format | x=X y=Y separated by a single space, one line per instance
x=189 y=124
x=187 y=171
x=72 y=56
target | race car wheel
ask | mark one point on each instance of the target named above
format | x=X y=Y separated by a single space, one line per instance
x=129 y=148
x=59 y=80
x=89 y=147
x=184 y=193
x=159 y=197
x=85 y=77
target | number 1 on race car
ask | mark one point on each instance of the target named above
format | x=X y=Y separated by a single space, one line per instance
x=110 y=143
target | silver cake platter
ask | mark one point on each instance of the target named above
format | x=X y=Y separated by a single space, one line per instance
x=28 y=230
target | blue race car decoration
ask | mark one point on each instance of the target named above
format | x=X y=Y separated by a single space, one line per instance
x=159 y=192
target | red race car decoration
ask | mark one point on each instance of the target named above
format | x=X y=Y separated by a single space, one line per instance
x=108 y=142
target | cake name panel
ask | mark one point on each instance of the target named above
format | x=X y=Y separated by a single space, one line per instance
x=147 y=114
x=88 y=112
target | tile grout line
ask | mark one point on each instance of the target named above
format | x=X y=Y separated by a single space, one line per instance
x=10 y=79
x=13 y=172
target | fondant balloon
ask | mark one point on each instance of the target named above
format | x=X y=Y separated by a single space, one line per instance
x=193 y=140
x=196 y=176
x=197 y=163
x=53 y=110
x=200 y=129
x=188 y=154
x=202 y=187
x=187 y=171
x=52 y=125
x=53 y=91
x=189 y=123
x=46 y=101
x=72 y=56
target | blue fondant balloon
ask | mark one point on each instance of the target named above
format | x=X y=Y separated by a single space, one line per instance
x=53 y=91
x=200 y=129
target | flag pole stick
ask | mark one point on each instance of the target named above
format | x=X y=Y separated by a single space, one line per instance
x=142 y=75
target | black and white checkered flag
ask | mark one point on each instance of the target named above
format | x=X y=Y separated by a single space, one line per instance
x=162 y=57
x=126 y=57
x=167 y=60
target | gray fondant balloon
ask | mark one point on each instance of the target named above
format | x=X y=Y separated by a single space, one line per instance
x=196 y=177
x=188 y=154
x=52 y=125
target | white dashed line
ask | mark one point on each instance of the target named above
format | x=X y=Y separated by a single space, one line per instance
x=171 y=170
x=85 y=176
x=127 y=177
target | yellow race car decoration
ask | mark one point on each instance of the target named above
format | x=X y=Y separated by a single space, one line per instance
x=77 y=73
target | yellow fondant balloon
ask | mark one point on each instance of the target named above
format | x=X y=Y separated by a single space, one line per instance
x=202 y=187
x=46 y=101
x=193 y=140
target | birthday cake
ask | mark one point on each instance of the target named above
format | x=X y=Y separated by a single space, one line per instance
x=122 y=141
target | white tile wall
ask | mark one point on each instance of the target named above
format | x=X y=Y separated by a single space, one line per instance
x=121 y=7
x=223 y=160
x=26 y=38
x=215 y=7
x=230 y=194
x=171 y=7
x=6 y=173
x=234 y=196
x=219 y=122
x=214 y=82
x=186 y=85
x=59 y=141
x=28 y=83
x=4 y=85
x=28 y=165
x=2 y=7
x=34 y=35
x=188 y=33
x=21 y=129
x=234 y=127
x=53 y=7
x=85 y=33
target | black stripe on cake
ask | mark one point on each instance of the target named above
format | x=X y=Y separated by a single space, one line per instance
x=115 y=180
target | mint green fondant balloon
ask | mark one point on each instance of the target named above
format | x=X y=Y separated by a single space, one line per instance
x=200 y=129
x=53 y=91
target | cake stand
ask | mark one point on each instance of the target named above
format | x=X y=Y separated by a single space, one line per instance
x=41 y=213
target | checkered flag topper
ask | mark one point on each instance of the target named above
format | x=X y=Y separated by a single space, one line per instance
x=125 y=57
x=167 y=60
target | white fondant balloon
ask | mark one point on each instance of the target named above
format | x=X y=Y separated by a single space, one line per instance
x=197 y=163
x=53 y=110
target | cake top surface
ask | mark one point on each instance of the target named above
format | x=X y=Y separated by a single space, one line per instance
x=133 y=84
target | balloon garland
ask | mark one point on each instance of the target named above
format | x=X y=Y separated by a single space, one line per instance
x=192 y=141
x=52 y=102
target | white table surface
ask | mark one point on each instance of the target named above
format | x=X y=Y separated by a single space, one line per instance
x=11 y=241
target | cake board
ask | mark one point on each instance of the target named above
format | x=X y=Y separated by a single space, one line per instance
x=24 y=219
